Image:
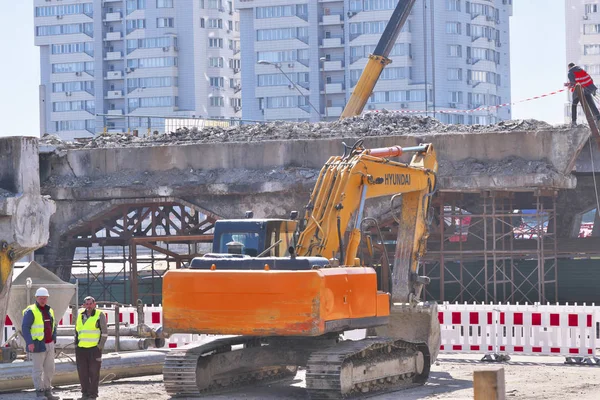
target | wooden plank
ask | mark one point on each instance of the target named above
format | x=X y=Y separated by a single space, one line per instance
x=488 y=384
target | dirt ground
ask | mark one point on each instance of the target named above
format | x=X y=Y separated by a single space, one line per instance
x=526 y=378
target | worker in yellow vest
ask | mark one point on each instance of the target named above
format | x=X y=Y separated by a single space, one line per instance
x=91 y=332
x=39 y=331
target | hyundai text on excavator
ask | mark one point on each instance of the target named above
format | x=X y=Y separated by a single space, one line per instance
x=280 y=293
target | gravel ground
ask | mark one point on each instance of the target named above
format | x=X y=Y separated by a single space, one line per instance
x=369 y=124
x=531 y=378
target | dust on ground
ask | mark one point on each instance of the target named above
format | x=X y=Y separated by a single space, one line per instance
x=526 y=377
x=366 y=125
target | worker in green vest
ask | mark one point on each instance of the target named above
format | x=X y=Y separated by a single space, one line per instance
x=39 y=331
x=91 y=332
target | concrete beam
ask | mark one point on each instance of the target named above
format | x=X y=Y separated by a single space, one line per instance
x=558 y=146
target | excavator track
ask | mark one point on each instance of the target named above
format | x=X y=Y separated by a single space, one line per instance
x=193 y=371
x=369 y=366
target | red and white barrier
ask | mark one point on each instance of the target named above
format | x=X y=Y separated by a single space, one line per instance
x=569 y=331
x=527 y=329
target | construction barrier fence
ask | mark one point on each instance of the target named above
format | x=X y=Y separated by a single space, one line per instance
x=570 y=331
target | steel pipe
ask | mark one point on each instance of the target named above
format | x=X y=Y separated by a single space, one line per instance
x=67 y=343
x=123 y=331
x=17 y=376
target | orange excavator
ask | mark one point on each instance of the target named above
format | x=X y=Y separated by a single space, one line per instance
x=278 y=294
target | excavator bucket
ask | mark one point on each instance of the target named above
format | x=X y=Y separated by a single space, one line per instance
x=413 y=323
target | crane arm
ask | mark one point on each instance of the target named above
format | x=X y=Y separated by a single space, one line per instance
x=338 y=198
x=378 y=60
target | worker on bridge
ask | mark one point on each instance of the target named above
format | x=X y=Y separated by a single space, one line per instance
x=39 y=331
x=579 y=75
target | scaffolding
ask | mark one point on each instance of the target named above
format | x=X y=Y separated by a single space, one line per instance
x=122 y=253
x=486 y=247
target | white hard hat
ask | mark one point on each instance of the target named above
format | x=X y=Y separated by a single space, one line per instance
x=42 y=292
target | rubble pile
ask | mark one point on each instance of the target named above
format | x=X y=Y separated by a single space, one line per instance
x=6 y=193
x=369 y=124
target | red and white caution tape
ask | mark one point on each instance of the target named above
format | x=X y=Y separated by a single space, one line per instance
x=474 y=109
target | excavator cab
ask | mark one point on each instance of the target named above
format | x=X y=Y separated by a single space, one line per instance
x=254 y=237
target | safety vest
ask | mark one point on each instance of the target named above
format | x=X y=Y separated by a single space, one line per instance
x=88 y=334
x=37 y=328
x=583 y=78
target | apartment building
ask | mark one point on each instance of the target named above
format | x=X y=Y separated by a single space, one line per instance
x=582 y=26
x=125 y=64
x=302 y=59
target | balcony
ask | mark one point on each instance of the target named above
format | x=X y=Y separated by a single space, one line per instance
x=331 y=88
x=113 y=36
x=114 y=94
x=113 y=55
x=332 y=19
x=333 y=65
x=113 y=17
x=114 y=75
x=332 y=42
x=115 y=112
x=334 y=111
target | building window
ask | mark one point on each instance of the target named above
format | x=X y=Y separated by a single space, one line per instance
x=155 y=62
x=165 y=22
x=50 y=30
x=215 y=62
x=217 y=81
x=148 y=102
x=215 y=4
x=456 y=97
x=164 y=3
x=215 y=43
x=133 y=5
x=591 y=29
x=67 y=106
x=80 y=125
x=454 y=74
x=591 y=8
x=287 y=101
x=453 y=28
x=453 y=5
x=71 y=9
x=454 y=50
x=215 y=23
x=282 y=33
x=77 y=86
x=73 y=67
x=153 y=82
x=282 y=11
x=133 y=24
x=217 y=101
x=282 y=55
x=148 y=43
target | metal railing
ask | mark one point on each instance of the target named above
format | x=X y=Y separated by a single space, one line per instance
x=142 y=125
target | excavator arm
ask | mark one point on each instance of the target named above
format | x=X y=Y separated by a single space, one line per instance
x=338 y=199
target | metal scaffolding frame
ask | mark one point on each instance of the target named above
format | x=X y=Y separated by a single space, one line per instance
x=486 y=250
x=488 y=263
x=126 y=244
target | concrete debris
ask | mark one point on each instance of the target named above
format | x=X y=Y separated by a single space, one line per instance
x=369 y=124
x=507 y=166
x=6 y=193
